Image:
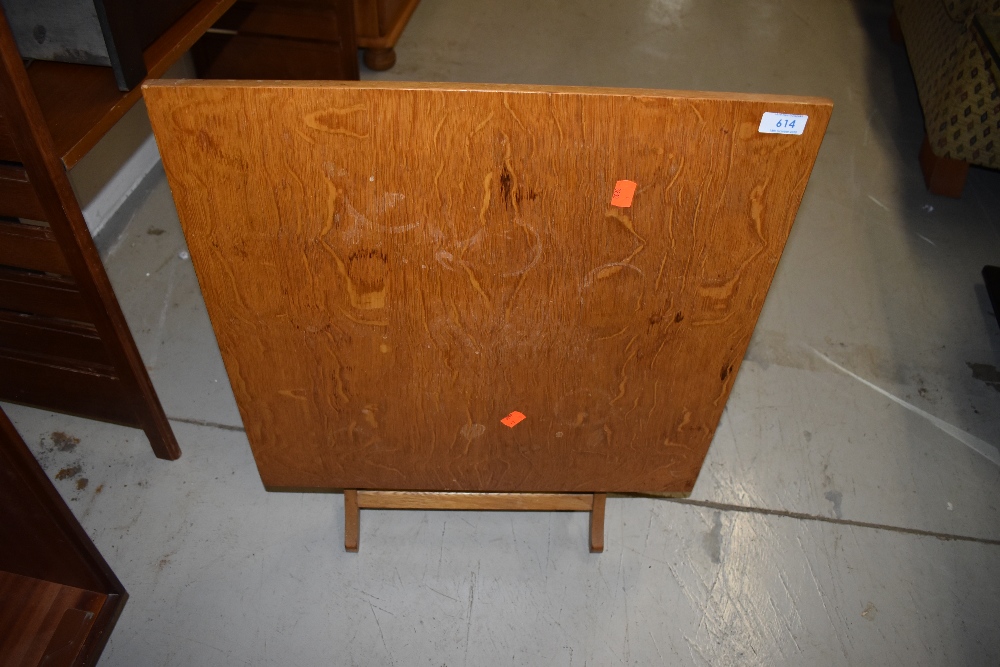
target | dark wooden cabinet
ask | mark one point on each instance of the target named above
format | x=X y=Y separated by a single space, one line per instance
x=64 y=342
x=59 y=599
x=280 y=39
x=113 y=33
x=378 y=25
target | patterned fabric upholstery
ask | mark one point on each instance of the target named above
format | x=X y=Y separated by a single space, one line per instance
x=958 y=93
x=962 y=11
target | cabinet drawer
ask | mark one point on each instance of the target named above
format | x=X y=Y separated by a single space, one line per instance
x=41 y=295
x=52 y=337
x=70 y=388
x=30 y=247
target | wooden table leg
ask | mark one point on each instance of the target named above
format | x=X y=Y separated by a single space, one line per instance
x=352 y=520
x=943 y=175
x=597 y=523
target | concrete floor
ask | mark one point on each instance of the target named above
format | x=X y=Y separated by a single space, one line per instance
x=847 y=513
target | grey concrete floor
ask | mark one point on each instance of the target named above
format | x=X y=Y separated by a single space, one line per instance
x=848 y=511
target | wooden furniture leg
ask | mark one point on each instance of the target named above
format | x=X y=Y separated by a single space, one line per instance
x=895 y=30
x=943 y=175
x=378 y=25
x=597 y=523
x=355 y=500
x=380 y=60
x=352 y=520
x=991 y=278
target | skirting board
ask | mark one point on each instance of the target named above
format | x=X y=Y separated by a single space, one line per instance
x=120 y=187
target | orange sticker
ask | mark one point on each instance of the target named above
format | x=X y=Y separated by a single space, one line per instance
x=624 y=191
x=513 y=419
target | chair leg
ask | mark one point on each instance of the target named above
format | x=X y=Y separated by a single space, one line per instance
x=943 y=175
x=597 y=523
x=352 y=520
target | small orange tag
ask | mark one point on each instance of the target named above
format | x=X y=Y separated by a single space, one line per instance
x=513 y=419
x=624 y=191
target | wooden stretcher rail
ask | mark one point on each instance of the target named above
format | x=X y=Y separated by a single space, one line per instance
x=538 y=502
x=356 y=500
x=30 y=247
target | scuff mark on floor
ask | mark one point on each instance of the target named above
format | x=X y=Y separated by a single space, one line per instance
x=162 y=319
x=981 y=447
x=835 y=497
x=986 y=373
x=713 y=539
x=880 y=204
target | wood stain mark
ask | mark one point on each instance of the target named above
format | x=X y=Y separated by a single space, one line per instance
x=487 y=191
x=656 y=388
x=333 y=195
x=677 y=174
x=474 y=281
x=338 y=372
x=368 y=412
x=342 y=121
x=635 y=404
x=375 y=297
x=517 y=288
x=555 y=119
x=624 y=373
x=474 y=132
x=472 y=431
x=374 y=323
x=297 y=394
x=663 y=262
x=614 y=335
x=605 y=271
x=537 y=244
x=517 y=120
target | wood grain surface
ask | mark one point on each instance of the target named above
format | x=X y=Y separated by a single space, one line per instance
x=391 y=269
